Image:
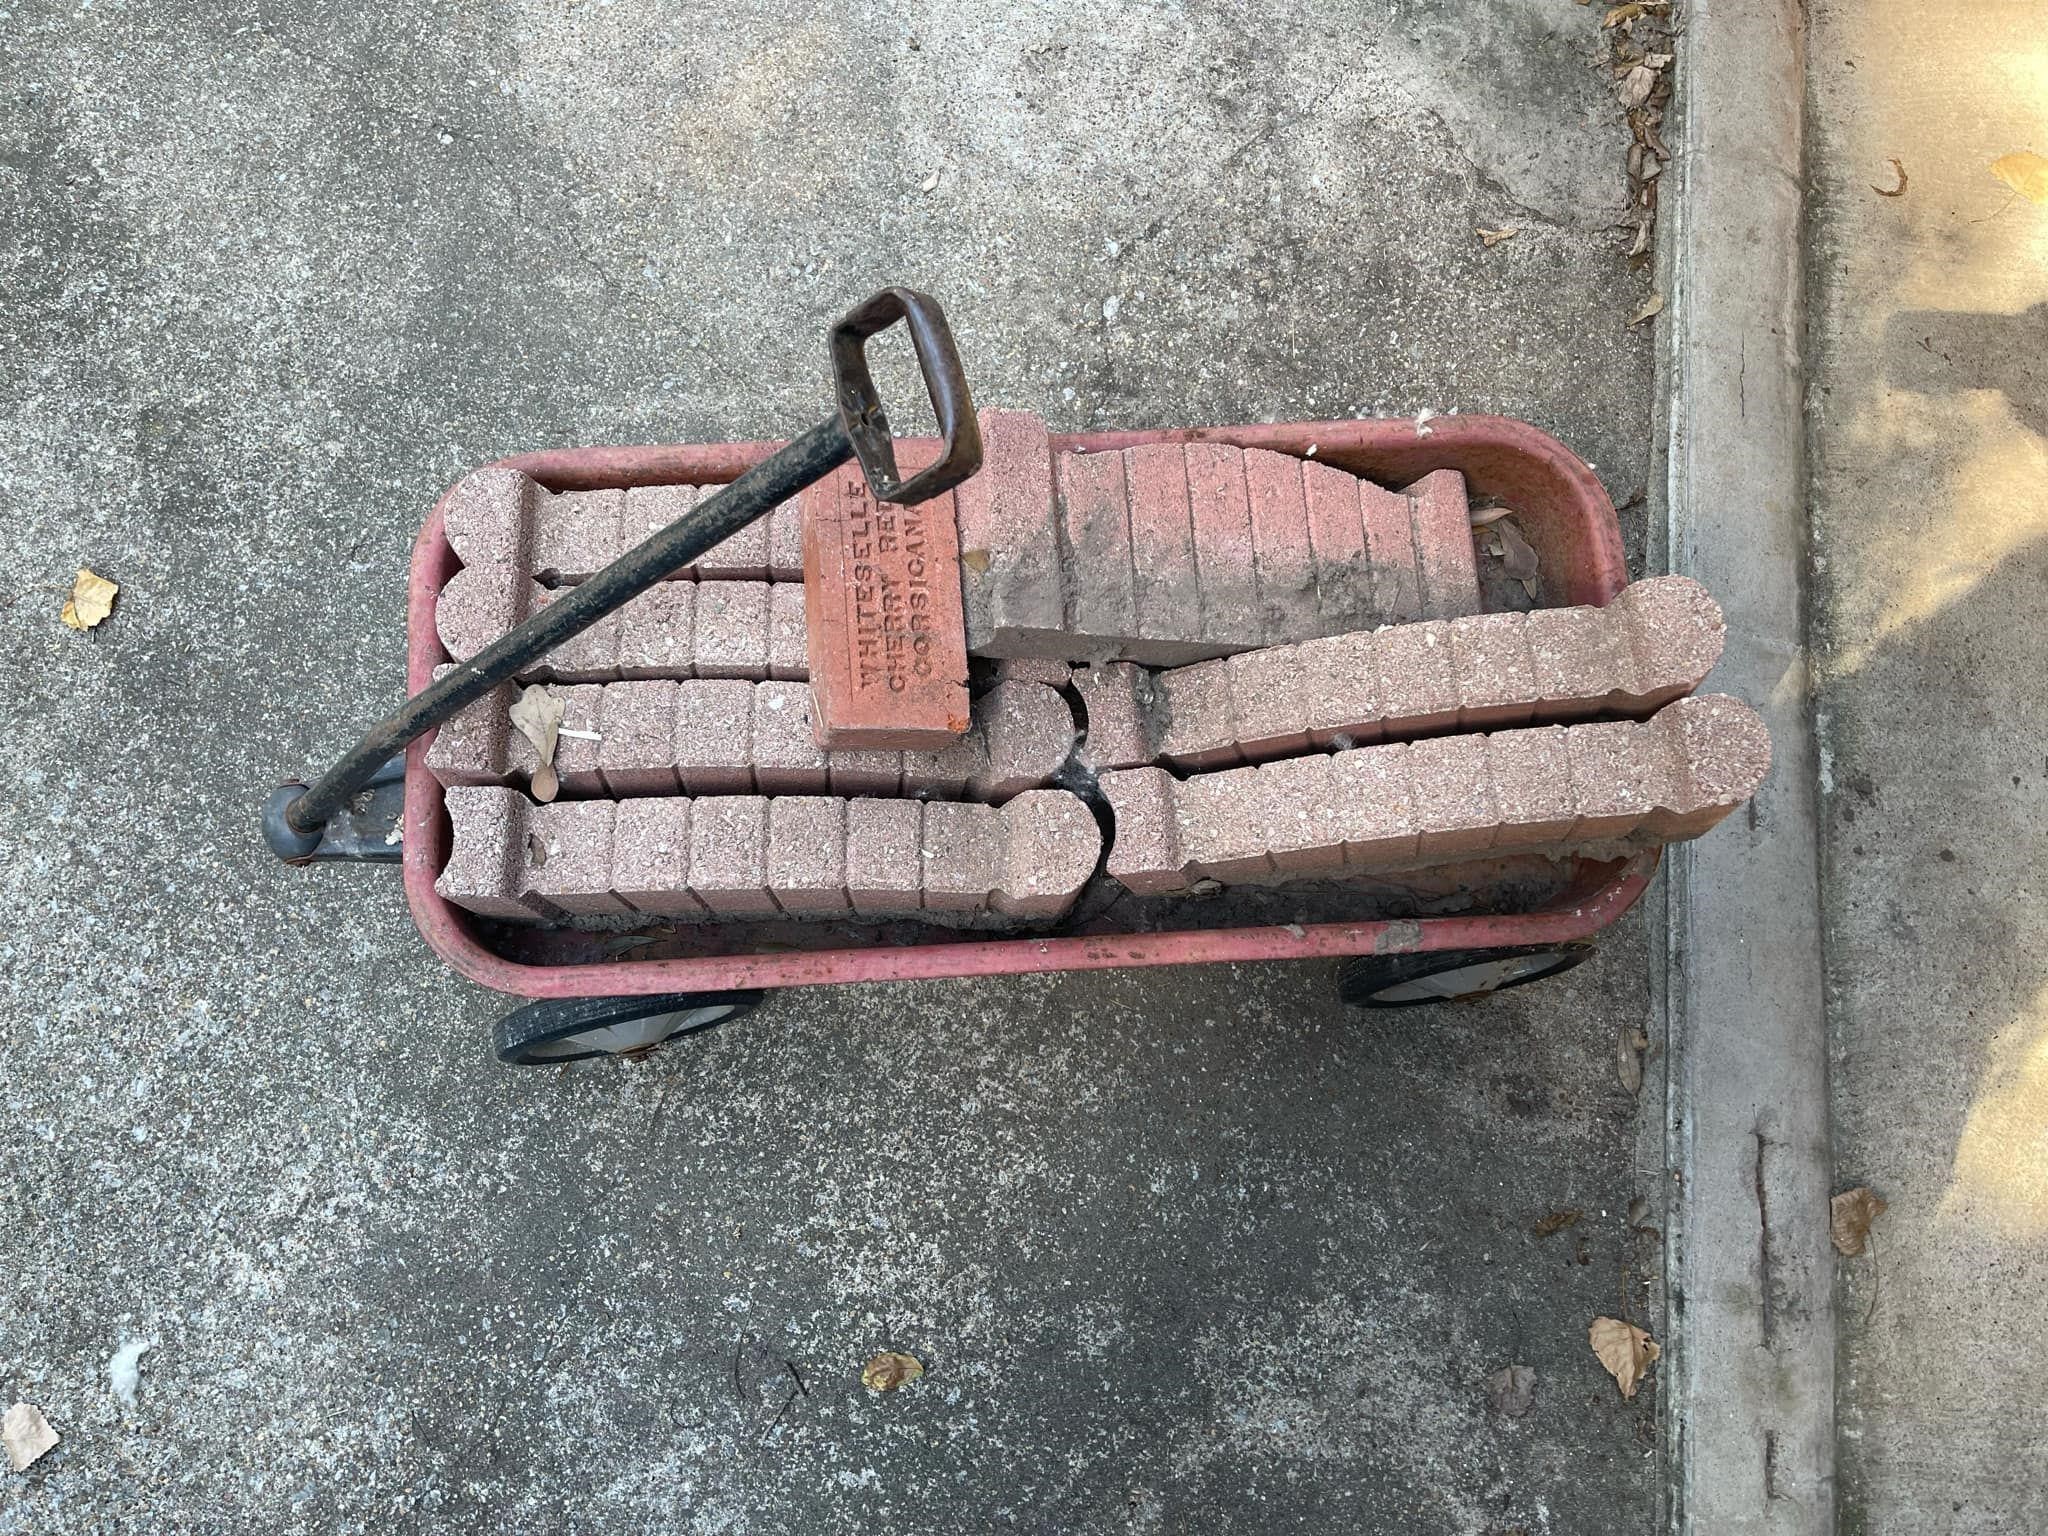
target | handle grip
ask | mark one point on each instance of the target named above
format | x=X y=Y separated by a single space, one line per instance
x=860 y=407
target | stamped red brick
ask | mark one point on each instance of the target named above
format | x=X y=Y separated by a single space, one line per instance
x=887 y=640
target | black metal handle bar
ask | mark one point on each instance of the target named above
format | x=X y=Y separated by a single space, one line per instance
x=296 y=817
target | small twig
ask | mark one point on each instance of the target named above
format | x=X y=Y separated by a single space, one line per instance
x=790 y=1366
x=739 y=1343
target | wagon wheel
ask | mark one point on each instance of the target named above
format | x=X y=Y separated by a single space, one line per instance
x=1451 y=975
x=573 y=1028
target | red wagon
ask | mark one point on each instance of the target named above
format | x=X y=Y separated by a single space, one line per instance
x=1473 y=930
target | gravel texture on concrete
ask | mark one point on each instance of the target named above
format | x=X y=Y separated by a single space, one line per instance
x=1184 y=1251
x=1930 y=449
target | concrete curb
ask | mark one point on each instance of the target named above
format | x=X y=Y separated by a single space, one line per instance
x=1750 y=1328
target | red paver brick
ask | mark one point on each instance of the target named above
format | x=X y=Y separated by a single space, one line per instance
x=1096 y=537
x=1118 y=698
x=1144 y=852
x=730 y=629
x=1615 y=781
x=568 y=856
x=489 y=518
x=887 y=639
x=1306 y=833
x=965 y=853
x=729 y=854
x=1416 y=684
x=589 y=657
x=1198 y=724
x=1224 y=822
x=884 y=856
x=1390 y=550
x=1496 y=675
x=1453 y=797
x=472 y=746
x=637 y=724
x=1026 y=734
x=741 y=557
x=1674 y=634
x=1409 y=680
x=486 y=863
x=1374 y=795
x=1336 y=535
x=479 y=603
x=1532 y=787
x=714 y=749
x=1283 y=555
x=786 y=541
x=786 y=756
x=650 y=509
x=656 y=637
x=1014 y=589
x=1272 y=699
x=1578 y=655
x=651 y=857
x=1727 y=757
x=1220 y=508
x=578 y=742
x=1165 y=584
x=864 y=771
x=807 y=853
x=788 y=652
x=1443 y=545
x=1052 y=846
x=577 y=534
x=1344 y=684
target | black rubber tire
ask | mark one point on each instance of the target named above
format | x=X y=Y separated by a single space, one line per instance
x=1412 y=981
x=546 y=1034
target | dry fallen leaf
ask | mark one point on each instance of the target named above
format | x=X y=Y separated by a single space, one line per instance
x=1636 y=85
x=27 y=1434
x=1628 y=1057
x=889 y=1370
x=1492 y=237
x=1849 y=1217
x=976 y=560
x=1511 y=1390
x=91 y=600
x=537 y=715
x=1653 y=305
x=1631 y=10
x=1557 y=1221
x=1624 y=1349
x=2025 y=172
x=1518 y=555
x=1899 y=171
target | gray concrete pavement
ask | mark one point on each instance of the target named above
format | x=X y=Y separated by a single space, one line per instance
x=1930 y=432
x=1185 y=1251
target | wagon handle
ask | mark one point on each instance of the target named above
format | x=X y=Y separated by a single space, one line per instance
x=299 y=821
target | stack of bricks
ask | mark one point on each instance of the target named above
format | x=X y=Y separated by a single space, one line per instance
x=1330 y=702
x=1170 y=553
x=1595 y=788
x=728 y=736
x=1654 y=643
x=737 y=612
x=750 y=856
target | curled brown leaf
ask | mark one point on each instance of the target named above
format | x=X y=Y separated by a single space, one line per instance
x=1849 y=1217
x=1626 y=1350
